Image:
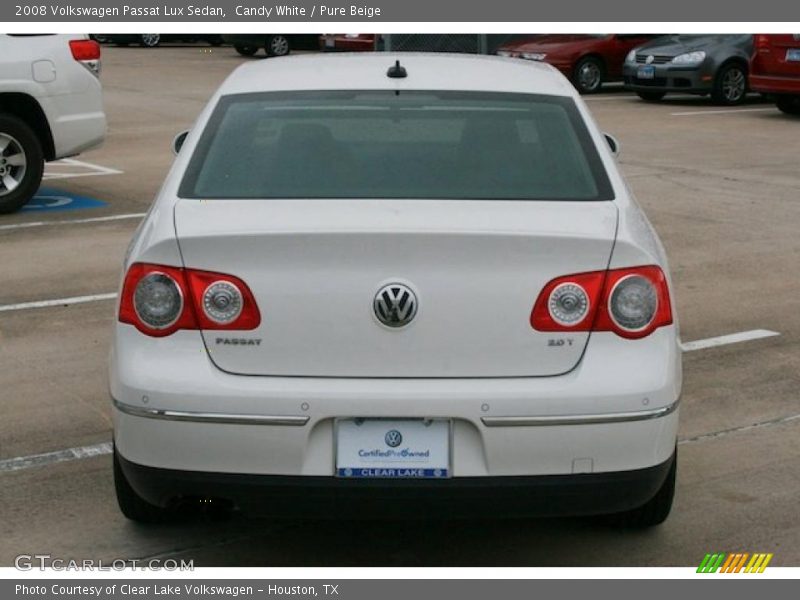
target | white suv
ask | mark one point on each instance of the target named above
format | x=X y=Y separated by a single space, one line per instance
x=396 y=282
x=51 y=107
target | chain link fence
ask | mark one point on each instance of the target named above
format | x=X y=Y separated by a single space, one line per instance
x=447 y=42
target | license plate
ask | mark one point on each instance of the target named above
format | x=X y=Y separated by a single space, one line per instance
x=793 y=55
x=646 y=73
x=393 y=448
x=330 y=41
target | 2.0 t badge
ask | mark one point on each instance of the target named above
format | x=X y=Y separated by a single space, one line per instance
x=395 y=305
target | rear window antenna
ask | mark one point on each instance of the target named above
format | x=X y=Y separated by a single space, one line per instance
x=396 y=71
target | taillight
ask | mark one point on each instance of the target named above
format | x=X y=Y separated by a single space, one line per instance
x=548 y=312
x=86 y=52
x=761 y=43
x=159 y=300
x=222 y=301
x=630 y=302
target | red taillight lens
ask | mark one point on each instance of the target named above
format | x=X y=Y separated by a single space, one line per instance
x=159 y=300
x=210 y=289
x=647 y=291
x=544 y=316
x=630 y=302
x=84 y=50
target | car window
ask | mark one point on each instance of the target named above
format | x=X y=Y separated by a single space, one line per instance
x=415 y=145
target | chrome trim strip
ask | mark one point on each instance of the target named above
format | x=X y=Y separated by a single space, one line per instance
x=624 y=417
x=201 y=417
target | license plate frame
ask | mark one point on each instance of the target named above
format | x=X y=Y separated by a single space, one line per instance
x=646 y=72
x=383 y=461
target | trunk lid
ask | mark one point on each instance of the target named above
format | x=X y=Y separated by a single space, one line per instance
x=315 y=266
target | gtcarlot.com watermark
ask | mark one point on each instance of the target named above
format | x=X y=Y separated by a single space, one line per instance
x=30 y=562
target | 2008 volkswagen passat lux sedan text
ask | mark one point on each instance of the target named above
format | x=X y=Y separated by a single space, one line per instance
x=396 y=283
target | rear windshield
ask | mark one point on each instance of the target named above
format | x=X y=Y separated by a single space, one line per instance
x=386 y=144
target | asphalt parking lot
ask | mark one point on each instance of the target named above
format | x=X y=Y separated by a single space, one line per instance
x=721 y=186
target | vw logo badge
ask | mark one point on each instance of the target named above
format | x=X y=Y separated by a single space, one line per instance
x=395 y=305
x=393 y=438
x=649 y=60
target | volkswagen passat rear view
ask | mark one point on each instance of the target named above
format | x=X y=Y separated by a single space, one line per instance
x=396 y=284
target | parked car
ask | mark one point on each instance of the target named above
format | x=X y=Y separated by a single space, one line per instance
x=775 y=70
x=692 y=64
x=350 y=42
x=456 y=304
x=51 y=107
x=586 y=60
x=274 y=44
x=151 y=40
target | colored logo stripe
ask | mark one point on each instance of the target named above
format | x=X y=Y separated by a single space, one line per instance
x=711 y=562
x=734 y=563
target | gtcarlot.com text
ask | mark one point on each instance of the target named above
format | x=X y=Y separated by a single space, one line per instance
x=29 y=562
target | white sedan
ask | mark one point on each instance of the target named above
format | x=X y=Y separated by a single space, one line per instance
x=391 y=283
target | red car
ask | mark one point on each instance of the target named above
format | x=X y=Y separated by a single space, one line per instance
x=351 y=42
x=586 y=60
x=775 y=69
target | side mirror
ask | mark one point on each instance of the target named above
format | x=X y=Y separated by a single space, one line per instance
x=177 y=142
x=613 y=144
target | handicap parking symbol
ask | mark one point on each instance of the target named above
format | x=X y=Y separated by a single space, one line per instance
x=49 y=199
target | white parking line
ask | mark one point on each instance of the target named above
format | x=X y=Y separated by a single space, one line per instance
x=57 y=302
x=30 y=224
x=721 y=112
x=20 y=463
x=85 y=169
x=733 y=338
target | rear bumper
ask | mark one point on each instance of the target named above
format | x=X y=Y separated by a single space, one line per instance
x=767 y=84
x=275 y=495
x=616 y=411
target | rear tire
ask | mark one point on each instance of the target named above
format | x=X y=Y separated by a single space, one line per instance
x=277 y=45
x=651 y=96
x=246 y=50
x=21 y=163
x=730 y=85
x=150 y=40
x=132 y=505
x=588 y=75
x=788 y=104
x=656 y=510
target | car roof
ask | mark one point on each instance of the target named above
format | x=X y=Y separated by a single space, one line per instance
x=426 y=71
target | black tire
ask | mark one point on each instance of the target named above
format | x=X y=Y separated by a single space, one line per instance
x=215 y=41
x=588 y=75
x=133 y=506
x=788 y=104
x=19 y=137
x=730 y=85
x=657 y=509
x=149 y=40
x=246 y=50
x=651 y=96
x=277 y=45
